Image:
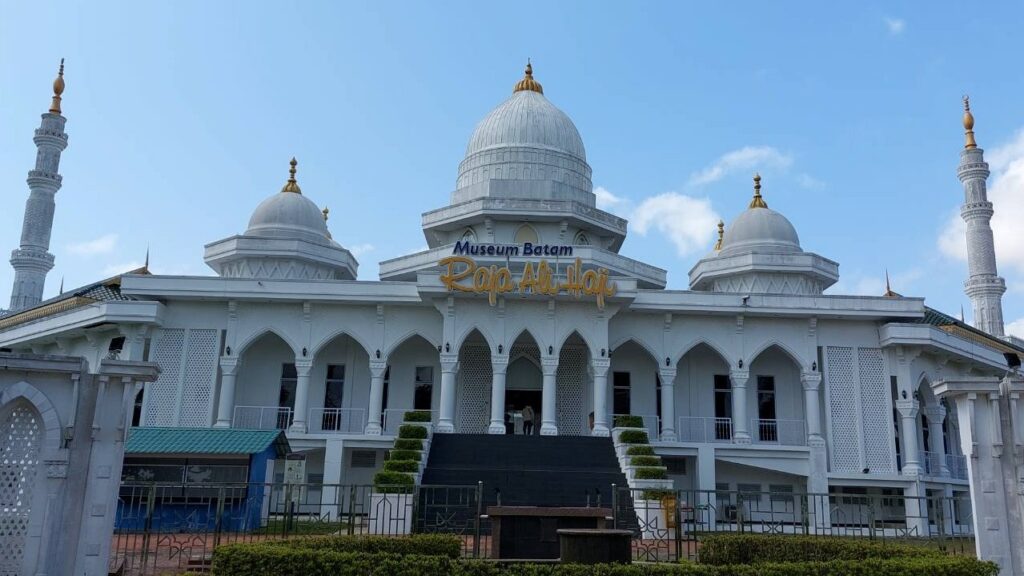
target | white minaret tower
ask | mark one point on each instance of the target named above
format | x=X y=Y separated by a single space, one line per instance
x=983 y=286
x=32 y=260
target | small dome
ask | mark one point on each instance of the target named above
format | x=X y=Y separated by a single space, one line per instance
x=527 y=119
x=289 y=214
x=760 y=228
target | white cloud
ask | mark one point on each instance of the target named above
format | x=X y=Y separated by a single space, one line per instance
x=895 y=25
x=1006 y=185
x=360 y=249
x=690 y=223
x=1016 y=328
x=608 y=201
x=858 y=284
x=747 y=158
x=809 y=182
x=101 y=245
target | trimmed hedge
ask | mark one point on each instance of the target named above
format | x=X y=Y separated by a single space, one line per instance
x=654 y=494
x=287 y=560
x=634 y=437
x=650 y=474
x=640 y=451
x=421 y=544
x=629 y=421
x=417 y=416
x=412 y=431
x=413 y=455
x=409 y=444
x=402 y=466
x=752 y=549
x=388 y=482
x=645 y=461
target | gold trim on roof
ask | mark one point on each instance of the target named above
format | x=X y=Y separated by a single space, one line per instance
x=757 y=201
x=528 y=83
x=46 y=310
x=968 y=125
x=292 y=185
x=978 y=338
x=58 y=89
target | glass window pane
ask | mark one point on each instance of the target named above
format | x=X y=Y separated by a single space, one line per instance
x=424 y=374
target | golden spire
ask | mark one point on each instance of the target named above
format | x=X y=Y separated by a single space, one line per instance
x=757 y=201
x=968 y=125
x=528 y=83
x=888 y=289
x=721 y=234
x=326 y=211
x=58 y=89
x=292 y=185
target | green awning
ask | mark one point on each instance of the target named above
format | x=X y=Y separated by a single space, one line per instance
x=227 y=441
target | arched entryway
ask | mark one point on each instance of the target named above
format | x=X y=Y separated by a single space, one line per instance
x=524 y=387
x=473 y=387
x=573 y=380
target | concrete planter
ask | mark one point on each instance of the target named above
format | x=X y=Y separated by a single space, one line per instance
x=616 y=432
x=651 y=484
x=390 y=514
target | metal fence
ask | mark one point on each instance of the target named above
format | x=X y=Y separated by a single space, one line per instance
x=168 y=529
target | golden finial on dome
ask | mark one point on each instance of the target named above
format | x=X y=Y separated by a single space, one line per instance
x=528 y=83
x=326 y=211
x=721 y=234
x=968 y=125
x=757 y=201
x=292 y=185
x=58 y=89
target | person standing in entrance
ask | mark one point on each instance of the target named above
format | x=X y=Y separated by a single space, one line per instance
x=528 y=420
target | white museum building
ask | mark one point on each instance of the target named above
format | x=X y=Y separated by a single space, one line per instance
x=751 y=379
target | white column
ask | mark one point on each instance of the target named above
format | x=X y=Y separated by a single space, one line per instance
x=499 y=364
x=706 y=500
x=332 y=496
x=818 y=510
x=377 y=370
x=446 y=419
x=600 y=367
x=668 y=405
x=302 y=368
x=740 y=433
x=226 y=404
x=548 y=421
x=908 y=410
x=812 y=407
x=936 y=417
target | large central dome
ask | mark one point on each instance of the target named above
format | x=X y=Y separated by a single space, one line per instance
x=525 y=148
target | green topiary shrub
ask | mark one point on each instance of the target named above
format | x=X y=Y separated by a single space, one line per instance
x=753 y=548
x=422 y=544
x=650 y=474
x=629 y=421
x=656 y=494
x=388 y=482
x=645 y=461
x=409 y=444
x=417 y=416
x=413 y=455
x=634 y=437
x=412 y=431
x=402 y=466
x=640 y=451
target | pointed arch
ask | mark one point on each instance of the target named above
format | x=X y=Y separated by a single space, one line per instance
x=786 y=350
x=257 y=335
x=332 y=336
x=466 y=332
x=40 y=403
x=639 y=342
x=714 y=346
x=525 y=331
x=408 y=336
x=924 y=388
x=578 y=334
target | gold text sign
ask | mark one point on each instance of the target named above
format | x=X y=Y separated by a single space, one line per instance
x=463 y=275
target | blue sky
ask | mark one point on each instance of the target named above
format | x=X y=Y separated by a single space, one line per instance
x=182 y=117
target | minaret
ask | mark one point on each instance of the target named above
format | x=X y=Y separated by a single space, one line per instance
x=983 y=286
x=32 y=260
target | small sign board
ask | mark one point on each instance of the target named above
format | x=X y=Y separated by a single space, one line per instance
x=295 y=468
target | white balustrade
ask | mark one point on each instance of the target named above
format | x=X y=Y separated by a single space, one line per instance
x=783 y=432
x=337 y=420
x=262 y=417
x=703 y=429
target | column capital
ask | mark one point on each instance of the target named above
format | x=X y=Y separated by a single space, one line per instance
x=228 y=364
x=936 y=413
x=908 y=408
x=378 y=368
x=449 y=363
x=499 y=364
x=668 y=376
x=549 y=364
x=739 y=378
x=600 y=366
x=303 y=367
x=810 y=380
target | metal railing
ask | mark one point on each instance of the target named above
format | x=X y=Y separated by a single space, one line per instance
x=783 y=432
x=957 y=466
x=944 y=465
x=703 y=429
x=337 y=420
x=262 y=417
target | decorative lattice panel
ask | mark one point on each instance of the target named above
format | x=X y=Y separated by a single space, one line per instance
x=19 y=461
x=876 y=410
x=842 y=400
x=162 y=395
x=197 y=383
x=571 y=391
x=474 y=404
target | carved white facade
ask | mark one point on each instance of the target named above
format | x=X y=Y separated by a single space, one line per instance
x=752 y=376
